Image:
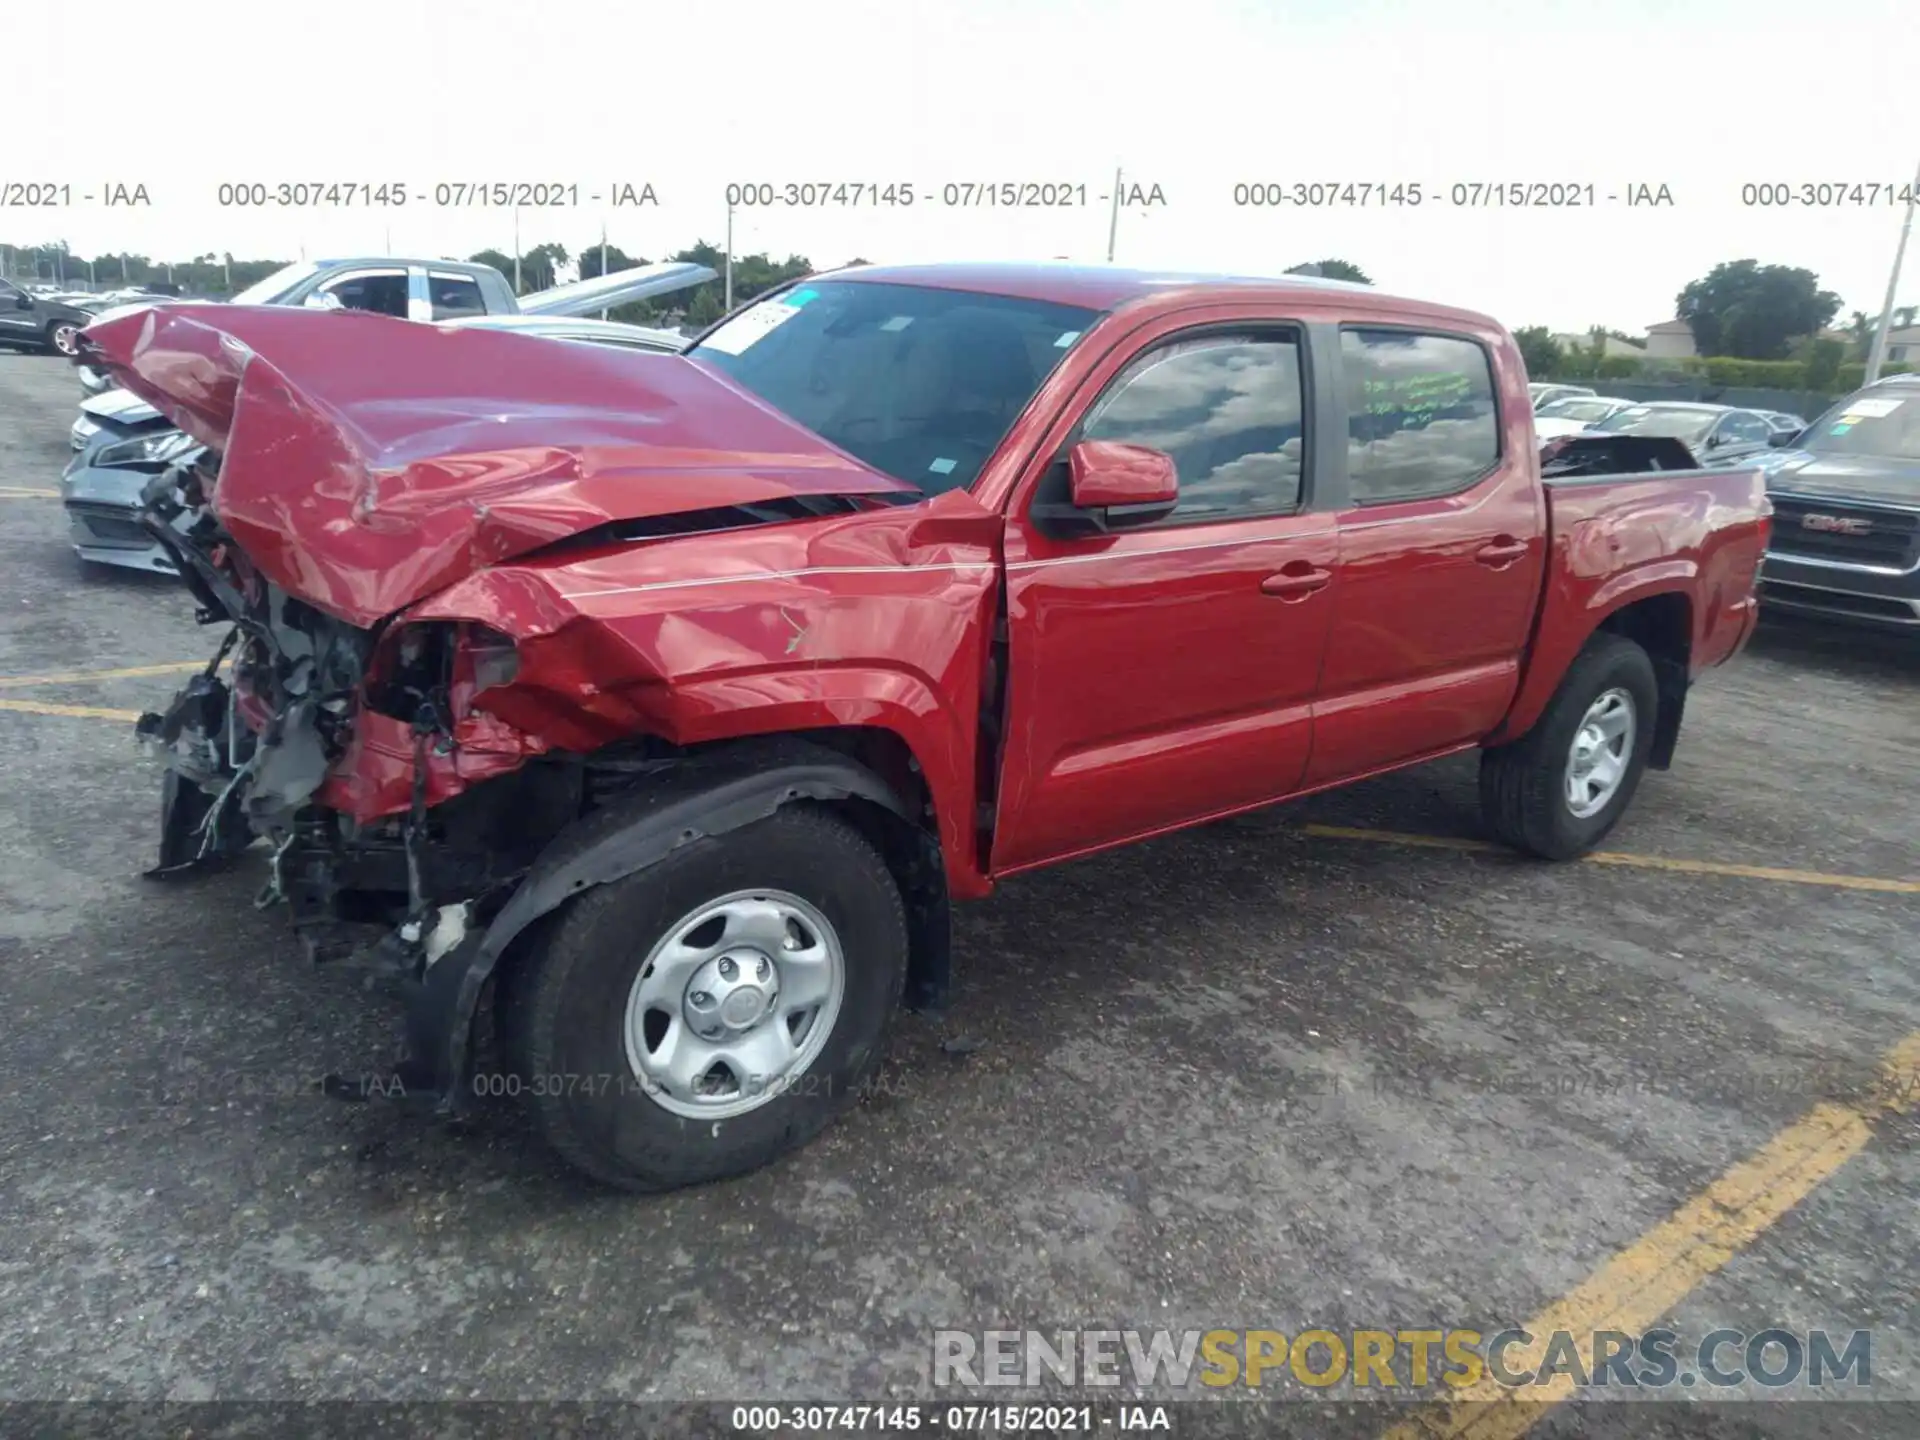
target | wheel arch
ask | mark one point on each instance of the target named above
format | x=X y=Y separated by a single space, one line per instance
x=1659 y=618
x=715 y=791
x=1662 y=625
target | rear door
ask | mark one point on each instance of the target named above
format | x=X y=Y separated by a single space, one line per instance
x=1442 y=549
x=1165 y=674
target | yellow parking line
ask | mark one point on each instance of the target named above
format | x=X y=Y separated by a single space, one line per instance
x=21 y=492
x=1758 y=872
x=1633 y=1290
x=1643 y=862
x=84 y=712
x=82 y=677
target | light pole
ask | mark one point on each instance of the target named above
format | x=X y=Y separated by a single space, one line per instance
x=1877 y=357
x=727 y=305
x=516 y=249
x=603 y=255
x=1113 y=218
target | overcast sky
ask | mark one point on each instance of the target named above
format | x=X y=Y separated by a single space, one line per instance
x=1701 y=96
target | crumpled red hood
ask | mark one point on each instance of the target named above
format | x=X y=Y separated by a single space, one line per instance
x=368 y=462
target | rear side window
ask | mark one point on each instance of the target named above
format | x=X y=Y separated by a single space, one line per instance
x=1420 y=414
x=1228 y=409
x=454 y=296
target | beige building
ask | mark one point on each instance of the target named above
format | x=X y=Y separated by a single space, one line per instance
x=1903 y=346
x=1670 y=340
x=1610 y=345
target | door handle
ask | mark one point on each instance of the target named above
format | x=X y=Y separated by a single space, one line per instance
x=1504 y=550
x=1296 y=582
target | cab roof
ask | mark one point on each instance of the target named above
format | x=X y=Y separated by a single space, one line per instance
x=1108 y=287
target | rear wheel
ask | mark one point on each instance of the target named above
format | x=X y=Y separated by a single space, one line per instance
x=63 y=337
x=704 y=1016
x=1559 y=789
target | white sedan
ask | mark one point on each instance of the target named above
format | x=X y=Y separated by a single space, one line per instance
x=1571 y=414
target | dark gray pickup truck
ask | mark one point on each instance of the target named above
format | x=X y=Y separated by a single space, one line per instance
x=44 y=322
x=1846 y=504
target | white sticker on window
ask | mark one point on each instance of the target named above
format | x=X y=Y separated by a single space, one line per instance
x=1872 y=408
x=1066 y=339
x=898 y=322
x=942 y=467
x=750 y=327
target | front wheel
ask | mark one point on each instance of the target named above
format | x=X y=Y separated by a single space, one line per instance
x=702 y=1017
x=63 y=337
x=1559 y=789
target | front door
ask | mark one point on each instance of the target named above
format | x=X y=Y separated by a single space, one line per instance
x=1166 y=674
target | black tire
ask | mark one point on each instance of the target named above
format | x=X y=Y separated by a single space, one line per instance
x=1523 y=786
x=54 y=328
x=565 y=1015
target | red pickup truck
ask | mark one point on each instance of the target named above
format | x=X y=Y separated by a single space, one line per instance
x=653 y=709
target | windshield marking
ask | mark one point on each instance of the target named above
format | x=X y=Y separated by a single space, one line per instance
x=750 y=327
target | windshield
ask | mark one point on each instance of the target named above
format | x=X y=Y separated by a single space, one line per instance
x=1688 y=425
x=1578 y=409
x=920 y=383
x=265 y=292
x=1885 y=424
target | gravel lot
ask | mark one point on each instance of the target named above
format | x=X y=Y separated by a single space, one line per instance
x=1249 y=1076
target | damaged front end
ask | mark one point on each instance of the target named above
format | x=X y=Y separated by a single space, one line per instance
x=356 y=756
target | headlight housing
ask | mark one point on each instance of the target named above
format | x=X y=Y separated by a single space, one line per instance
x=157 y=449
x=84 y=430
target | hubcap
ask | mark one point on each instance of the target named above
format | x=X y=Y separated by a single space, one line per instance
x=1602 y=748
x=734 y=1003
x=65 y=339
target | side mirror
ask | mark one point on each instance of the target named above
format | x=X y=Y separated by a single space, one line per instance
x=1120 y=483
x=1785 y=439
x=23 y=302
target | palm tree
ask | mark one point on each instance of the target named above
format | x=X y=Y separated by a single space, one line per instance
x=1860 y=327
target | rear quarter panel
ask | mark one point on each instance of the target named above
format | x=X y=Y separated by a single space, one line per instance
x=1615 y=541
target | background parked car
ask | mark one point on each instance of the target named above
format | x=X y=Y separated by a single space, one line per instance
x=1716 y=434
x=123 y=442
x=1571 y=414
x=1543 y=392
x=32 y=320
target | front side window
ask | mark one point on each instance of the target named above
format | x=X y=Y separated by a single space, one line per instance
x=920 y=383
x=454 y=296
x=1229 y=410
x=1421 y=420
x=1744 y=430
x=384 y=293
